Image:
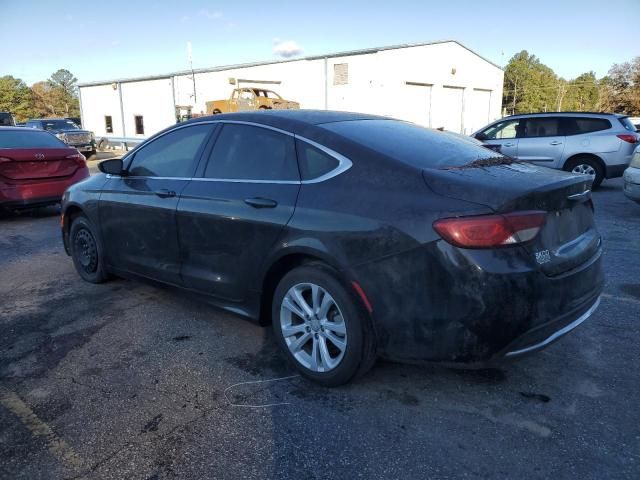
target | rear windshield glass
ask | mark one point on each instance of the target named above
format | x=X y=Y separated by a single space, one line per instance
x=628 y=124
x=409 y=143
x=29 y=139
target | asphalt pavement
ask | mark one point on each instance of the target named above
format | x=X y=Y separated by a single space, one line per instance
x=130 y=380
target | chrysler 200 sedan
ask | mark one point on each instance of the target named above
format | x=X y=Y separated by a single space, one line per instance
x=355 y=236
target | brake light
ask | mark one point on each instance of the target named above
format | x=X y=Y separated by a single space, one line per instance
x=628 y=137
x=490 y=231
x=78 y=157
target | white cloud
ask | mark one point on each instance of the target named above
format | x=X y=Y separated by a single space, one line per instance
x=209 y=14
x=286 y=48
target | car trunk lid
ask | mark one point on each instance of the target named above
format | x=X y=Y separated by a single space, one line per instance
x=32 y=164
x=568 y=237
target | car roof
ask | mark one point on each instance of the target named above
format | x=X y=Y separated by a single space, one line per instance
x=572 y=114
x=290 y=120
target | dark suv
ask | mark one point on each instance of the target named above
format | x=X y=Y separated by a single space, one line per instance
x=68 y=132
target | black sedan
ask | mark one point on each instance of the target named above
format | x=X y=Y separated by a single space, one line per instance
x=355 y=236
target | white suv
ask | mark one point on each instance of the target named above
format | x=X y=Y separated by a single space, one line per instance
x=598 y=144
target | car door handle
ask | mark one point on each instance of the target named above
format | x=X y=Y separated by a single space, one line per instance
x=556 y=142
x=509 y=144
x=165 y=193
x=258 y=202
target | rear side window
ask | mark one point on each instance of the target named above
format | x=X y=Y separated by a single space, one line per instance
x=29 y=139
x=411 y=144
x=172 y=155
x=313 y=162
x=628 y=124
x=580 y=125
x=244 y=152
x=542 y=127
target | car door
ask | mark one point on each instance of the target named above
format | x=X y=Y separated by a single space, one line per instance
x=230 y=217
x=502 y=137
x=247 y=100
x=138 y=210
x=542 y=141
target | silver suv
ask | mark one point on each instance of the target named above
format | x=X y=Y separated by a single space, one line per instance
x=598 y=144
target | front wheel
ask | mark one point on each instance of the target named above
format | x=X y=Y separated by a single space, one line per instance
x=586 y=166
x=322 y=331
x=86 y=251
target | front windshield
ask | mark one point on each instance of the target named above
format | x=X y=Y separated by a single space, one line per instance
x=59 y=125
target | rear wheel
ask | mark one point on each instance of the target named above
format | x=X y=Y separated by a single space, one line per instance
x=86 y=251
x=586 y=166
x=322 y=331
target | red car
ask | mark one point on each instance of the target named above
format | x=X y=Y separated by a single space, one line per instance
x=36 y=168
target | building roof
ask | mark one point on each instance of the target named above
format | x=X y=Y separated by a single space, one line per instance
x=348 y=53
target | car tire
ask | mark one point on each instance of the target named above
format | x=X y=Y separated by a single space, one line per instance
x=314 y=348
x=86 y=251
x=585 y=164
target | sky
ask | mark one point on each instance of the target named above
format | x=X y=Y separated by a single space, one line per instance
x=102 y=40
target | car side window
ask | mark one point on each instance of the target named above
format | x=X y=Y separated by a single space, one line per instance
x=580 y=125
x=502 y=130
x=245 y=152
x=313 y=162
x=174 y=154
x=542 y=127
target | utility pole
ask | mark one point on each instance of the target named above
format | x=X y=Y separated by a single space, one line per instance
x=193 y=75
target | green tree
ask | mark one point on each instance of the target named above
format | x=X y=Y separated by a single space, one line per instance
x=529 y=85
x=620 y=89
x=15 y=97
x=583 y=94
x=63 y=93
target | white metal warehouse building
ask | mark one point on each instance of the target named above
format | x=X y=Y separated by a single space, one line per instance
x=438 y=84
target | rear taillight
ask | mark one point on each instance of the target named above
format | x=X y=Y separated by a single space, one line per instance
x=490 y=231
x=628 y=137
x=78 y=157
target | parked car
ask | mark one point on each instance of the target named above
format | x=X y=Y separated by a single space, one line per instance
x=356 y=236
x=36 y=168
x=75 y=120
x=6 y=119
x=68 y=132
x=243 y=99
x=632 y=177
x=597 y=144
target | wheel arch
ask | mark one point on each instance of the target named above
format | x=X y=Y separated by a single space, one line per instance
x=592 y=156
x=282 y=265
x=70 y=213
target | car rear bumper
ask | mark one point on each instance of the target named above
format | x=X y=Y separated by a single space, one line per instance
x=473 y=307
x=39 y=192
x=632 y=183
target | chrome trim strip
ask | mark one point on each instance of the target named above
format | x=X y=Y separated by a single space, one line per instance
x=557 y=334
x=344 y=163
x=580 y=196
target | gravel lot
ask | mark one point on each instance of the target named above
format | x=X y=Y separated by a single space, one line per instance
x=129 y=380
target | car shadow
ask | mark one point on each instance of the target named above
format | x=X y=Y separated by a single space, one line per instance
x=9 y=215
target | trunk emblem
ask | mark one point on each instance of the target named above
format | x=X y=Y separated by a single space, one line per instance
x=543 y=256
x=39 y=156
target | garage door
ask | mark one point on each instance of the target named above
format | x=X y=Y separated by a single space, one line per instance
x=452 y=109
x=418 y=103
x=479 y=106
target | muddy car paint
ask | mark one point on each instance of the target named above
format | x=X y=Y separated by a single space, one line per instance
x=256 y=101
x=428 y=300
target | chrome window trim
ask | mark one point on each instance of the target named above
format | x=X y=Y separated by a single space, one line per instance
x=344 y=163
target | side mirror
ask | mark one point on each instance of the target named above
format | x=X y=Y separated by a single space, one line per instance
x=113 y=166
x=480 y=136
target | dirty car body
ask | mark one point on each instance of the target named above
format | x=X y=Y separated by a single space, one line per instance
x=408 y=219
